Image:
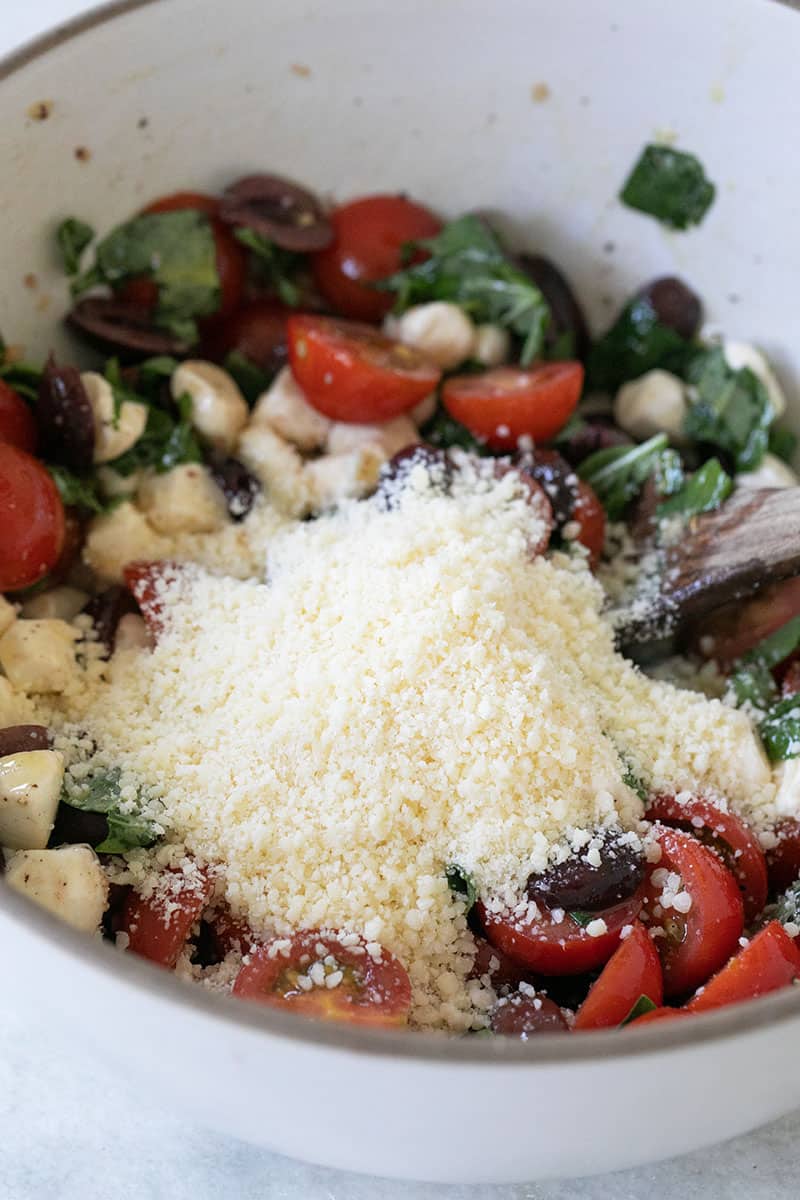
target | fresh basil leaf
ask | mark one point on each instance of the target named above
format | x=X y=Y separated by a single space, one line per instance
x=120 y=391
x=153 y=372
x=618 y=473
x=468 y=266
x=127 y=827
x=73 y=236
x=643 y=1005
x=752 y=680
x=443 y=431
x=782 y=443
x=81 y=491
x=632 y=778
x=462 y=883
x=637 y=342
x=563 y=348
x=580 y=917
x=731 y=410
x=780 y=729
x=280 y=265
x=166 y=442
x=670 y=185
x=251 y=380
x=704 y=490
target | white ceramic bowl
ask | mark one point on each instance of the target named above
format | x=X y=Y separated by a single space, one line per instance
x=435 y=96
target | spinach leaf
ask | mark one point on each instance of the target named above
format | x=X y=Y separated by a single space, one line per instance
x=782 y=443
x=280 y=265
x=618 y=473
x=704 y=490
x=670 y=185
x=643 y=1005
x=81 y=491
x=752 y=680
x=637 y=342
x=176 y=250
x=469 y=267
x=73 y=236
x=462 y=883
x=780 y=729
x=166 y=442
x=127 y=827
x=252 y=381
x=731 y=409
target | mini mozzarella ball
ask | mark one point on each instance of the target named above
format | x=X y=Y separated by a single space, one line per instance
x=15 y=708
x=336 y=477
x=786 y=776
x=441 y=330
x=68 y=882
x=655 y=403
x=113 y=485
x=39 y=655
x=120 y=537
x=63 y=603
x=183 y=500
x=387 y=438
x=771 y=472
x=743 y=354
x=421 y=413
x=8 y=615
x=492 y=345
x=277 y=466
x=219 y=411
x=132 y=634
x=285 y=409
x=115 y=432
x=30 y=787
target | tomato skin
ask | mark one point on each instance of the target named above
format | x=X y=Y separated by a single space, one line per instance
x=591 y=516
x=375 y=993
x=17 y=424
x=508 y=403
x=159 y=925
x=659 y=1014
x=143 y=580
x=559 y=949
x=524 y=1016
x=256 y=330
x=633 y=970
x=31 y=519
x=729 y=632
x=783 y=860
x=705 y=937
x=769 y=962
x=351 y=372
x=369 y=235
x=734 y=841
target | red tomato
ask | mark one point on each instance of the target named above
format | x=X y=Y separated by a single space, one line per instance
x=726 y=834
x=145 y=581
x=590 y=515
x=369 y=991
x=659 y=1014
x=351 y=372
x=520 y=1016
x=158 y=925
x=507 y=403
x=783 y=860
x=369 y=235
x=767 y=963
x=633 y=970
x=564 y=948
x=790 y=676
x=256 y=330
x=31 y=519
x=17 y=425
x=732 y=630
x=696 y=943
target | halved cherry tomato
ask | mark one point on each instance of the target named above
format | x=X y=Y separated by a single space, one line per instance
x=559 y=948
x=590 y=515
x=727 y=835
x=767 y=963
x=789 y=677
x=659 y=1014
x=633 y=970
x=31 y=519
x=369 y=235
x=351 y=372
x=145 y=581
x=17 y=425
x=783 y=859
x=256 y=330
x=367 y=991
x=698 y=942
x=159 y=925
x=508 y=403
x=521 y=1016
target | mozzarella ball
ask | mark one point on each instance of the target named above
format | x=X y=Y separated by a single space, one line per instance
x=442 y=331
x=655 y=403
x=285 y=409
x=219 y=411
x=115 y=432
x=183 y=500
x=743 y=354
x=492 y=345
x=771 y=472
x=68 y=882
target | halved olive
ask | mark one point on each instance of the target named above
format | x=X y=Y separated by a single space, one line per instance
x=579 y=885
x=64 y=417
x=566 y=315
x=280 y=210
x=123 y=327
x=675 y=304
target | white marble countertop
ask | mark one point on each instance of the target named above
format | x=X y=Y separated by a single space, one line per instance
x=72 y=1131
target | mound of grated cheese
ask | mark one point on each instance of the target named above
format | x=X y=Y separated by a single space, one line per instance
x=404 y=691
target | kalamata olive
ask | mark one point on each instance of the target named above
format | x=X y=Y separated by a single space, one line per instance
x=675 y=304
x=64 y=417
x=395 y=473
x=205 y=950
x=578 y=885
x=113 y=918
x=18 y=739
x=122 y=327
x=566 y=314
x=590 y=436
x=107 y=610
x=557 y=478
x=280 y=210
x=239 y=487
x=75 y=827
x=521 y=1016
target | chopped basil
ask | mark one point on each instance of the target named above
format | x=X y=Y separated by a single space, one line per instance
x=443 y=431
x=752 y=680
x=167 y=441
x=780 y=729
x=468 y=266
x=128 y=828
x=251 y=380
x=670 y=185
x=643 y=1005
x=153 y=372
x=632 y=779
x=81 y=491
x=121 y=392
x=704 y=490
x=280 y=265
x=73 y=236
x=731 y=409
x=637 y=342
x=462 y=883
x=788 y=907
x=581 y=918
x=20 y=376
x=618 y=473
x=782 y=443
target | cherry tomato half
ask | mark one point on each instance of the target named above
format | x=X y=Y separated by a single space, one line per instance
x=726 y=834
x=659 y=1014
x=590 y=515
x=767 y=963
x=256 y=330
x=369 y=235
x=789 y=678
x=31 y=519
x=633 y=970
x=695 y=943
x=351 y=372
x=17 y=425
x=783 y=859
x=366 y=991
x=508 y=403
x=145 y=581
x=159 y=925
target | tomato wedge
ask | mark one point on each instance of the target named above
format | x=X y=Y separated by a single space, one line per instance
x=783 y=859
x=695 y=943
x=159 y=925
x=562 y=947
x=726 y=834
x=769 y=962
x=633 y=970
x=31 y=519
x=508 y=403
x=590 y=515
x=17 y=424
x=351 y=372
x=317 y=975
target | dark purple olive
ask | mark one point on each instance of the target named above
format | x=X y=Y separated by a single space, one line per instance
x=114 y=916
x=18 y=739
x=675 y=304
x=205 y=946
x=122 y=327
x=279 y=210
x=107 y=610
x=64 y=417
x=75 y=827
x=394 y=474
x=576 y=885
x=567 y=319
x=557 y=478
x=521 y=1016
x=589 y=437
x=239 y=487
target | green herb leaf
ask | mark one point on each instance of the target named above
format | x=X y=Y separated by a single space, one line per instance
x=443 y=431
x=581 y=918
x=643 y=1005
x=155 y=371
x=637 y=342
x=81 y=491
x=752 y=680
x=462 y=883
x=251 y=380
x=704 y=490
x=782 y=443
x=618 y=473
x=788 y=906
x=21 y=376
x=669 y=472
x=127 y=827
x=731 y=409
x=670 y=185
x=780 y=729
x=73 y=236
x=469 y=267
x=165 y=443
x=280 y=265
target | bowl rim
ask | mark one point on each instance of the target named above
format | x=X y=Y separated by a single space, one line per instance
x=93 y=955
